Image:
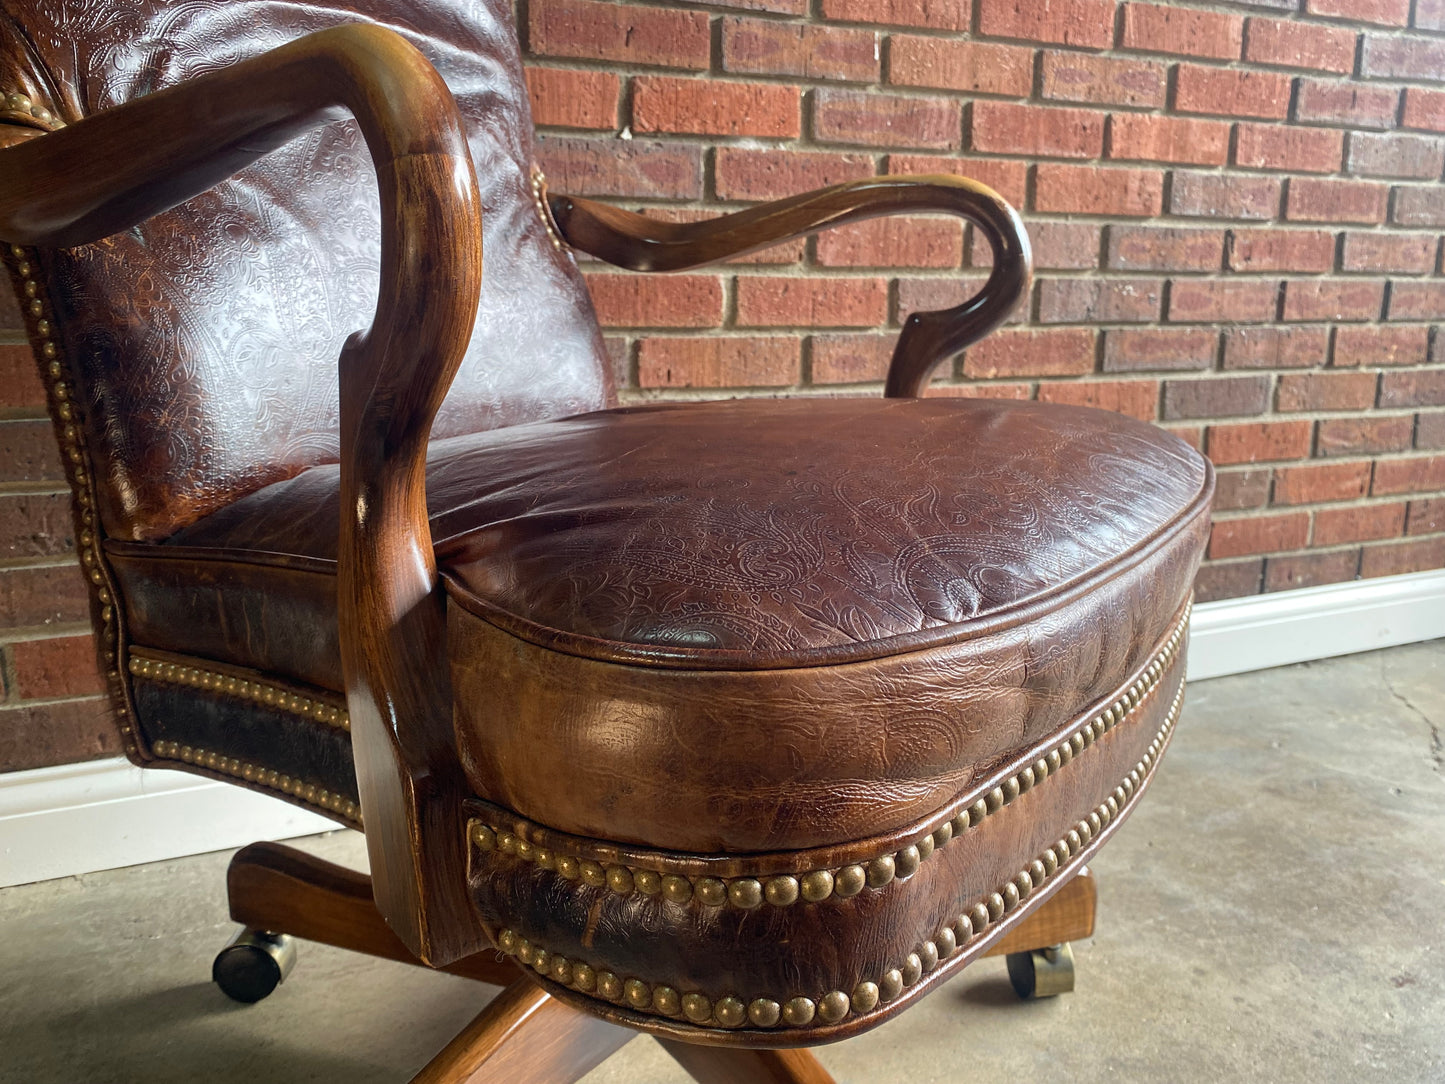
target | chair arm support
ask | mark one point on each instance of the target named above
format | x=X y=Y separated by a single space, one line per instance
x=114 y=169
x=647 y=244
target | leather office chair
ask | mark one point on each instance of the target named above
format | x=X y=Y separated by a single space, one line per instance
x=743 y=723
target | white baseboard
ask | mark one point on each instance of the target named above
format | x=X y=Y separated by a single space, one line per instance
x=80 y=818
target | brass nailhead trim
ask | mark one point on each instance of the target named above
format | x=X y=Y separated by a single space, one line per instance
x=539 y=200
x=815 y=886
x=268 y=778
x=72 y=449
x=257 y=692
x=15 y=102
x=834 y=1006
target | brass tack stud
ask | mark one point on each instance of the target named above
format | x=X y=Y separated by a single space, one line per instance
x=569 y=867
x=924 y=847
x=849 y=881
x=995 y=904
x=619 y=879
x=697 y=1008
x=584 y=978
x=912 y=969
x=781 y=891
x=817 y=886
x=764 y=1012
x=798 y=1012
x=928 y=955
x=730 y=1012
x=946 y=941
x=609 y=986
x=960 y=823
x=906 y=862
x=647 y=882
x=666 y=1001
x=890 y=985
x=963 y=929
x=561 y=970
x=593 y=874
x=710 y=891
x=1010 y=789
x=745 y=893
x=982 y=915
x=881 y=871
x=1010 y=896
x=942 y=834
x=833 y=1006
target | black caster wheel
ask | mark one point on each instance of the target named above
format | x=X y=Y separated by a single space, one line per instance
x=1042 y=972
x=253 y=964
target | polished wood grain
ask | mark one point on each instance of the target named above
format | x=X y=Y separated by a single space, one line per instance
x=114 y=169
x=283 y=890
x=525 y=1036
x=1067 y=915
x=648 y=244
x=714 y=1065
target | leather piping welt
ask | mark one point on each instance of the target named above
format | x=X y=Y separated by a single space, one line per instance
x=801 y=1011
x=817 y=885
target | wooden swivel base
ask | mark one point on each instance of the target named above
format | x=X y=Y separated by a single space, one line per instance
x=524 y=1035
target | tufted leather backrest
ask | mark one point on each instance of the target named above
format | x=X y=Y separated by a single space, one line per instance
x=204 y=343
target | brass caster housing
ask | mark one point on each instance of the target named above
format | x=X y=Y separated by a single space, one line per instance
x=253 y=964
x=1042 y=972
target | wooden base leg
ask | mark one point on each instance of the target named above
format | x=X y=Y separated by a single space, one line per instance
x=282 y=890
x=717 y=1065
x=1067 y=915
x=526 y=1036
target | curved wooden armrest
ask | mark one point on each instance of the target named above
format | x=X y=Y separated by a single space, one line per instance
x=647 y=244
x=112 y=170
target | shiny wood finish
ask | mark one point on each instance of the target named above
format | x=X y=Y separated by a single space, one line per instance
x=112 y=170
x=647 y=244
x=525 y=1036
x=1068 y=915
x=713 y=1065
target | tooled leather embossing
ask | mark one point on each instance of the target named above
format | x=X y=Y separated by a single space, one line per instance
x=206 y=339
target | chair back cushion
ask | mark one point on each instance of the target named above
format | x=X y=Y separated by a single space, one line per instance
x=204 y=342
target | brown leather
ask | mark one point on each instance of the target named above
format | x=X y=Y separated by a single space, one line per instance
x=230 y=311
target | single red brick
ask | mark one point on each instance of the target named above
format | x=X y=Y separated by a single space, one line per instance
x=745 y=173
x=1419 y=206
x=851 y=357
x=1164 y=248
x=1089 y=190
x=1037 y=131
x=1281 y=250
x=664 y=103
x=28 y=452
x=1430 y=430
x=1396 y=154
x=1089 y=23
x=1136 y=398
x=1430 y=14
x=47 y=595
x=1079 y=77
x=1276 y=347
x=1142 y=136
x=1104 y=301
x=886 y=120
x=1426 y=517
x=1235 y=490
x=1058 y=246
x=1311 y=569
x=1259 y=534
x=1424 y=109
x=1424 y=388
x=1394 y=56
x=946 y=292
x=1156 y=28
x=60 y=667
x=1192 y=435
x=1277 y=146
x=40 y=735
x=1222 y=195
x=623 y=168
x=1384 y=12
x=769 y=47
x=1259 y=442
x=893 y=242
x=631 y=300
x=1398 y=558
x=1319 y=482
x=1030 y=352
x=779 y=7
x=35 y=525
x=947 y=64
x=1310 y=199
x=1231 y=91
x=1365 y=436
x=1364 y=523
x=566 y=98
x=712 y=361
x=787 y=301
x=20 y=385
x=1230 y=579
x=1406 y=253
x=1417 y=300
x=935 y=14
x=1325 y=391
x=1338 y=101
x=1417 y=474
x=621 y=32
x=1159 y=349
x=1333 y=299
x=1377 y=345
x=1007 y=178
x=1216 y=301
x=1294 y=44
x=1215 y=397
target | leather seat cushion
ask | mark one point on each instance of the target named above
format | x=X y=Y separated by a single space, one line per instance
x=817 y=620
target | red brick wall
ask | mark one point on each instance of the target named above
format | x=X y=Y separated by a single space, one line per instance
x=1236 y=214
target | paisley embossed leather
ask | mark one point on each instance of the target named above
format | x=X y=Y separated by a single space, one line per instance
x=206 y=340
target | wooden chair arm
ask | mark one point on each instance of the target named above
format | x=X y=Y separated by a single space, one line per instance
x=114 y=169
x=647 y=244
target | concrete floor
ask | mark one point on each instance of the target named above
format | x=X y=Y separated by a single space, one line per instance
x=1275 y=911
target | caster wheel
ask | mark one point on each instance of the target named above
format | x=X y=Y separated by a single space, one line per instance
x=1042 y=972
x=253 y=964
